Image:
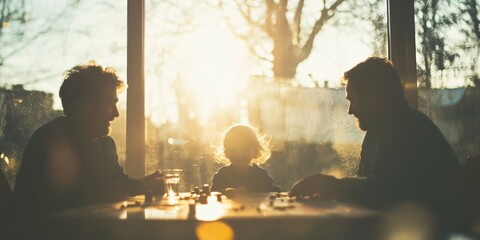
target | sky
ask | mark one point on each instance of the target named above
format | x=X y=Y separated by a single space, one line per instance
x=209 y=59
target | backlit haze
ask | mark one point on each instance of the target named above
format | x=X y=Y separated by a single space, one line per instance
x=212 y=64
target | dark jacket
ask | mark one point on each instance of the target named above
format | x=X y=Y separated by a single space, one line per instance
x=407 y=160
x=60 y=171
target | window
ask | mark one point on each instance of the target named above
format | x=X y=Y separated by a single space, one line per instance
x=210 y=65
x=448 y=70
x=44 y=39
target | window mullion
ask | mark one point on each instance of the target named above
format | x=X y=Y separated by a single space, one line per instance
x=135 y=161
x=402 y=50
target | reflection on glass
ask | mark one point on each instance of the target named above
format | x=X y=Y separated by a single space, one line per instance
x=123 y=214
x=209 y=66
x=212 y=211
x=171 y=199
x=44 y=39
x=169 y=212
x=448 y=50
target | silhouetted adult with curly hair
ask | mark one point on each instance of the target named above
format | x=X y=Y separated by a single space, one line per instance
x=71 y=161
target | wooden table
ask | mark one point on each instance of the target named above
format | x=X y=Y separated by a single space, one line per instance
x=244 y=216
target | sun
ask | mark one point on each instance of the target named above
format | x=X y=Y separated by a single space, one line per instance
x=218 y=69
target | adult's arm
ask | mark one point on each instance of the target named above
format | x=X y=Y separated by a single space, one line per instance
x=116 y=184
x=402 y=171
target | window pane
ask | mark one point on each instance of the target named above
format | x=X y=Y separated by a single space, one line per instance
x=44 y=39
x=210 y=64
x=448 y=70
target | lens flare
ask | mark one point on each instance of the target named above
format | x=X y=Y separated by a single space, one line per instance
x=409 y=221
x=214 y=231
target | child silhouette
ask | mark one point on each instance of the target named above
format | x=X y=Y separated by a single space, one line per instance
x=243 y=151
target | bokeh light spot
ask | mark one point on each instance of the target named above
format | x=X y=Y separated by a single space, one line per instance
x=214 y=231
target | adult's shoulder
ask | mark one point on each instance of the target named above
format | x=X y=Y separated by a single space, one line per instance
x=36 y=153
x=417 y=122
x=419 y=130
x=417 y=116
x=407 y=121
x=54 y=129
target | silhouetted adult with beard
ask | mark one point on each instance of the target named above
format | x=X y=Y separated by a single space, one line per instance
x=71 y=161
x=405 y=159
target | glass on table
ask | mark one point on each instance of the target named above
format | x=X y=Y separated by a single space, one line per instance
x=171 y=180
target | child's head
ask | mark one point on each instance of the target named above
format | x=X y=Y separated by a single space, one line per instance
x=243 y=146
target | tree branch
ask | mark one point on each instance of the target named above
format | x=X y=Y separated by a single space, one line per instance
x=27 y=42
x=269 y=14
x=247 y=15
x=326 y=14
x=230 y=25
x=2 y=16
x=247 y=37
x=297 y=19
x=473 y=13
x=253 y=50
x=250 y=45
x=283 y=31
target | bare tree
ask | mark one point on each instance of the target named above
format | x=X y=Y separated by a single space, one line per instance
x=20 y=27
x=14 y=31
x=470 y=10
x=376 y=16
x=373 y=12
x=11 y=13
x=433 y=20
x=291 y=31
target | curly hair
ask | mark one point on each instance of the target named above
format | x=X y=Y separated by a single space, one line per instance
x=250 y=137
x=87 y=81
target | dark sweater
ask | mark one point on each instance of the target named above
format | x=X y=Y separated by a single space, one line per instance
x=59 y=171
x=406 y=159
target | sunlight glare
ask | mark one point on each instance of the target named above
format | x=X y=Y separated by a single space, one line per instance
x=218 y=70
x=212 y=211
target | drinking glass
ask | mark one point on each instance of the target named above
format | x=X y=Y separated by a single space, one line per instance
x=171 y=180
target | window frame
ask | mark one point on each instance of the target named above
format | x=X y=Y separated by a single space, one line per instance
x=401 y=50
x=135 y=134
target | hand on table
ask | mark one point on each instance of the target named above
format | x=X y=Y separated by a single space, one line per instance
x=153 y=183
x=318 y=183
